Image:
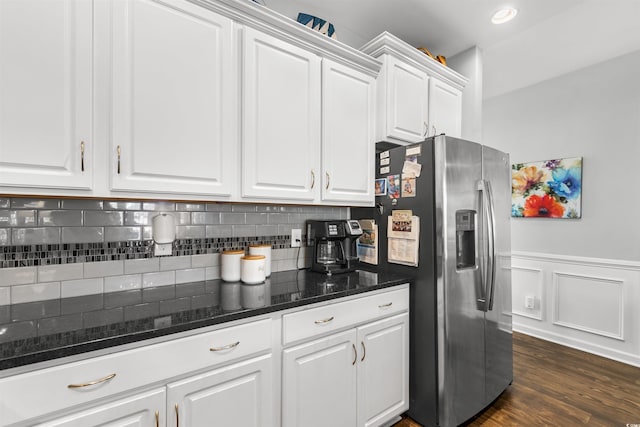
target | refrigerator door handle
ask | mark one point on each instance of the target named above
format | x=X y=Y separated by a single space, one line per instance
x=491 y=227
x=490 y=268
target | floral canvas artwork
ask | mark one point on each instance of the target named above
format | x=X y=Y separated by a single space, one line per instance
x=547 y=189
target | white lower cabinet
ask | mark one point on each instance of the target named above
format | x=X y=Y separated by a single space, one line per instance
x=357 y=377
x=236 y=395
x=344 y=363
x=383 y=370
x=319 y=382
x=212 y=369
x=143 y=410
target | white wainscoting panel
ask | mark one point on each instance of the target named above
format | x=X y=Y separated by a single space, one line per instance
x=586 y=303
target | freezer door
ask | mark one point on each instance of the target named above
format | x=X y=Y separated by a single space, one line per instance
x=461 y=360
x=499 y=354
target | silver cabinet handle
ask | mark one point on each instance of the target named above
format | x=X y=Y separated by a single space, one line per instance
x=385 y=305
x=177 y=416
x=157 y=419
x=426 y=129
x=364 y=351
x=225 y=347
x=119 y=152
x=355 y=354
x=90 y=383
x=313 y=179
x=326 y=187
x=82 y=156
x=327 y=320
x=434 y=130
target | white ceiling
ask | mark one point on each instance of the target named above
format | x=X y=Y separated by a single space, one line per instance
x=546 y=39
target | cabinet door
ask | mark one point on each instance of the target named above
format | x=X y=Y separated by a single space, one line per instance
x=347 y=134
x=383 y=370
x=319 y=382
x=445 y=109
x=45 y=94
x=141 y=410
x=407 y=101
x=236 y=395
x=280 y=119
x=174 y=115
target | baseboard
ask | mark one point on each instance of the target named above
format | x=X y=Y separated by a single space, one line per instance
x=623 y=357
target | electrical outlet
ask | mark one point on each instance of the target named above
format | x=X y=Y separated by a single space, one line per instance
x=529 y=302
x=296 y=237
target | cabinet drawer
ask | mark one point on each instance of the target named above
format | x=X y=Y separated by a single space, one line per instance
x=132 y=368
x=316 y=321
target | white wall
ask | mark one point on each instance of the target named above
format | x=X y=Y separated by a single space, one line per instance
x=469 y=64
x=593 y=113
x=584 y=274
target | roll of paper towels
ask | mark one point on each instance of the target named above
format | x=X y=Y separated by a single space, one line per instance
x=164 y=228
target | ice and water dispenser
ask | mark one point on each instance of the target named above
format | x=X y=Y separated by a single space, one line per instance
x=465 y=239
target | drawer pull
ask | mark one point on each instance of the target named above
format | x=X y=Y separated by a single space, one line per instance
x=364 y=351
x=157 y=419
x=225 y=347
x=385 y=305
x=90 y=383
x=177 y=416
x=327 y=320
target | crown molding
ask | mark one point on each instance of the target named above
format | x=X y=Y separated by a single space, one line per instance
x=388 y=44
x=259 y=17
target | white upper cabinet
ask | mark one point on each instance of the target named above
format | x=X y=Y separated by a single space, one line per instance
x=280 y=119
x=445 y=105
x=417 y=96
x=46 y=104
x=404 y=112
x=348 y=122
x=173 y=103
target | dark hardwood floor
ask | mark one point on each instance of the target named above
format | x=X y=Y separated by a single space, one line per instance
x=554 y=385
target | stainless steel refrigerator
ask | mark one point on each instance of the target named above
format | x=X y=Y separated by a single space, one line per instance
x=460 y=329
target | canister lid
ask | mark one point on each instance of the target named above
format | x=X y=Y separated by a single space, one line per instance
x=253 y=257
x=233 y=252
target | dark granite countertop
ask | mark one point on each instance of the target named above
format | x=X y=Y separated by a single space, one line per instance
x=46 y=330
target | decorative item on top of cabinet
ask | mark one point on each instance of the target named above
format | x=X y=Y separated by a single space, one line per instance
x=315 y=23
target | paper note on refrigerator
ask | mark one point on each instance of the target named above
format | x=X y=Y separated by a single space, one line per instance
x=403 y=235
x=367 y=243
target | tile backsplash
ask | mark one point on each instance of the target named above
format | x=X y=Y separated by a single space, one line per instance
x=52 y=248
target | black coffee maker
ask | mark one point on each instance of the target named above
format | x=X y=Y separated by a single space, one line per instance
x=333 y=245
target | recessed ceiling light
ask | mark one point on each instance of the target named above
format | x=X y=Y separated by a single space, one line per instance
x=504 y=15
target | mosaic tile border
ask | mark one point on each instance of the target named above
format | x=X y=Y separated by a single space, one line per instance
x=70 y=253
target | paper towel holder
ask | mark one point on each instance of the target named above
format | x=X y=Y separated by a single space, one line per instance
x=164 y=234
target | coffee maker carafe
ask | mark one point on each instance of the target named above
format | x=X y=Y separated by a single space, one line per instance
x=333 y=245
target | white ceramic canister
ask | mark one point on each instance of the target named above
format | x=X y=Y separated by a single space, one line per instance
x=263 y=250
x=253 y=296
x=230 y=296
x=253 y=270
x=230 y=265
